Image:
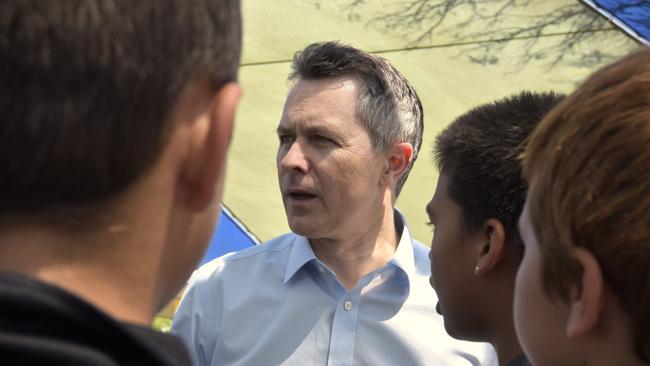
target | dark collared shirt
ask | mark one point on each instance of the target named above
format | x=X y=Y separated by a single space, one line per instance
x=520 y=360
x=41 y=324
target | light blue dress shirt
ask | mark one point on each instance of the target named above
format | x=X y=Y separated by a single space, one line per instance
x=277 y=304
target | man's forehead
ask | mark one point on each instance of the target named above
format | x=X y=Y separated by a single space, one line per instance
x=302 y=115
x=324 y=84
x=308 y=123
x=306 y=91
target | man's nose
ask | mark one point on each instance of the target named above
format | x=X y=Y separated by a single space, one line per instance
x=296 y=157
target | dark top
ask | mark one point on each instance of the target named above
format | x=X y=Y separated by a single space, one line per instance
x=520 y=360
x=44 y=325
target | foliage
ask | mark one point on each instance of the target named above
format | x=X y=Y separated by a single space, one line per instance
x=162 y=324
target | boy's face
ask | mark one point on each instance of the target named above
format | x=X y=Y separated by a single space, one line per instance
x=452 y=265
x=539 y=322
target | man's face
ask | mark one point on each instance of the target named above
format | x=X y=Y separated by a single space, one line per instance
x=452 y=264
x=329 y=173
x=538 y=321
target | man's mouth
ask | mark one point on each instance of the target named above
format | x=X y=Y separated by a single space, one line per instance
x=300 y=195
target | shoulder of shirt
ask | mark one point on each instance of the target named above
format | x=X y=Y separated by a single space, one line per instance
x=267 y=248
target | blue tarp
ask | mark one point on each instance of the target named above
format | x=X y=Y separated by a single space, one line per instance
x=231 y=236
x=633 y=13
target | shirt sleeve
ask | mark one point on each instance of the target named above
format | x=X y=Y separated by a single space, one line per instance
x=196 y=319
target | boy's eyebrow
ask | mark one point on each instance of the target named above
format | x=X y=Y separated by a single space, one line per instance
x=429 y=211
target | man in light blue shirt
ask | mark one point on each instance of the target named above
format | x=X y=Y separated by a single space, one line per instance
x=348 y=286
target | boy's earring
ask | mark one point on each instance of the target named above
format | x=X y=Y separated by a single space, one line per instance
x=476 y=270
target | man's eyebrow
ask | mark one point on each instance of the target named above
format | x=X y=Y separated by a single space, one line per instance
x=312 y=129
x=281 y=130
x=319 y=130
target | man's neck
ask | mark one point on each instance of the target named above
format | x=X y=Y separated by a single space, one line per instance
x=353 y=257
x=104 y=276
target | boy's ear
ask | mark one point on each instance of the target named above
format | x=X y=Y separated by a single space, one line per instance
x=209 y=138
x=491 y=250
x=586 y=295
x=399 y=157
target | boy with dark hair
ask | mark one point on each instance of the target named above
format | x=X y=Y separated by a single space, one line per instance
x=476 y=248
x=116 y=119
x=583 y=288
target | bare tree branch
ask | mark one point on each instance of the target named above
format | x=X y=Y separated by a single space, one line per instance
x=487 y=27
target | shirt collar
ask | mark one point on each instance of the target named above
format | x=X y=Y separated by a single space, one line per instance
x=302 y=253
x=403 y=257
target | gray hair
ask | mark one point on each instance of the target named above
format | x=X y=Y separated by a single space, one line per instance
x=387 y=106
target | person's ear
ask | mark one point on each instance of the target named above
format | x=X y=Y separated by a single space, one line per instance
x=210 y=134
x=491 y=249
x=586 y=295
x=398 y=159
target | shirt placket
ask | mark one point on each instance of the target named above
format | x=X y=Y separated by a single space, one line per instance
x=344 y=326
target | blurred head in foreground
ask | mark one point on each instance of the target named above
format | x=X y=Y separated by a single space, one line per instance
x=116 y=119
x=583 y=289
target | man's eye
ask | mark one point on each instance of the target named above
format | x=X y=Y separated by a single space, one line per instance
x=285 y=139
x=323 y=139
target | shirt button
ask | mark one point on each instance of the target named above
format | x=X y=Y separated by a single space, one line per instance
x=321 y=269
x=347 y=305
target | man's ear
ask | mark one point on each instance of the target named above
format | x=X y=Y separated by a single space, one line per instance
x=586 y=295
x=491 y=250
x=210 y=134
x=398 y=157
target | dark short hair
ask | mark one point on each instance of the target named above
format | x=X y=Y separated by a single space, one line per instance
x=588 y=165
x=387 y=106
x=479 y=150
x=87 y=87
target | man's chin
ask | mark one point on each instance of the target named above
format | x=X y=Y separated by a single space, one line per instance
x=303 y=227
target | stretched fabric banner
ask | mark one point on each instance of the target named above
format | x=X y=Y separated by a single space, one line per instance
x=631 y=16
x=231 y=236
